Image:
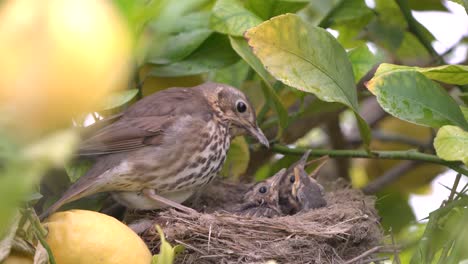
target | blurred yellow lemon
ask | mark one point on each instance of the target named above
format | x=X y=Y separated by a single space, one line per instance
x=80 y=236
x=17 y=259
x=59 y=59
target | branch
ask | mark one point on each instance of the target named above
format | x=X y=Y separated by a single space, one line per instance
x=337 y=140
x=390 y=176
x=394 y=155
x=365 y=254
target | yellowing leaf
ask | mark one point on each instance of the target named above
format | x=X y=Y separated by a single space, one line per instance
x=451 y=143
x=307 y=58
x=241 y=47
x=410 y=96
x=453 y=74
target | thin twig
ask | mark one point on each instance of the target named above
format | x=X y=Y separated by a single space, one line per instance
x=454 y=188
x=390 y=176
x=396 y=257
x=40 y=233
x=365 y=254
x=394 y=155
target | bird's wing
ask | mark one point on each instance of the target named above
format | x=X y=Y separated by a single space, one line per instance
x=146 y=121
x=126 y=134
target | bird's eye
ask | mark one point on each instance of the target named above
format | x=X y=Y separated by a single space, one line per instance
x=241 y=107
x=262 y=189
x=292 y=179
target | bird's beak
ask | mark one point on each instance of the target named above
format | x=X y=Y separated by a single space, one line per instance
x=297 y=182
x=257 y=133
x=277 y=179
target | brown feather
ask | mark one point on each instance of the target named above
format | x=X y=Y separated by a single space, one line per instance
x=144 y=123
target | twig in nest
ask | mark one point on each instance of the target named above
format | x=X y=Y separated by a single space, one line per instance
x=365 y=254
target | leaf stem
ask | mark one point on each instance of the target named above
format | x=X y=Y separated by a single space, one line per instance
x=395 y=155
x=40 y=232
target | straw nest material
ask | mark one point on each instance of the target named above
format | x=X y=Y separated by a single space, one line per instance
x=342 y=231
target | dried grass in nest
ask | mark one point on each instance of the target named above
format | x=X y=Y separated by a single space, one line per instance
x=346 y=228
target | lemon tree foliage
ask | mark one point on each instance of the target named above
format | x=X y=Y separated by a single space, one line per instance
x=285 y=45
x=451 y=143
x=231 y=17
x=453 y=74
x=241 y=47
x=362 y=60
x=304 y=82
x=167 y=253
x=411 y=96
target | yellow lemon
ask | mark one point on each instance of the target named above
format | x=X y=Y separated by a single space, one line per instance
x=59 y=59
x=17 y=259
x=80 y=236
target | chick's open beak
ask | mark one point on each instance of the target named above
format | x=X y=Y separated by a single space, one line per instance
x=257 y=133
x=297 y=182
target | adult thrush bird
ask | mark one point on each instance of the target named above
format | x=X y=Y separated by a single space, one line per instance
x=261 y=200
x=299 y=191
x=165 y=146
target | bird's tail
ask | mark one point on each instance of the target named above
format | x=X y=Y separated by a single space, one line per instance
x=75 y=192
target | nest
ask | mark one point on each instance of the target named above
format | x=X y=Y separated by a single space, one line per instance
x=342 y=231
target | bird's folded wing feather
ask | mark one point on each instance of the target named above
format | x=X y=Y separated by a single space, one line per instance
x=126 y=134
x=145 y=122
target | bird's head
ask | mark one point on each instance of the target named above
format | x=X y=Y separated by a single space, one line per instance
x=265 y=191
x=233 y=107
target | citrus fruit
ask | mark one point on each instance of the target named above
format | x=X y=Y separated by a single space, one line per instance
x=17 y=259
x=59 y=59
x=80 y=236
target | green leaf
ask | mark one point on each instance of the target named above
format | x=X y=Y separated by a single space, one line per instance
x=139 y=12
x=386 y=35
x=230 y=17
x=117 y=99
x=237 y=159
x=167 y=253
x=411 y=51
x=394 y=209
x=451 y=143
x=349 y=17
x=453 y=74
x=75 y=171
x=307 y=58
x=426 y=5
x=180 y=39
x=233 y=75
x=410 y=96
x=242 y=48
x=464 y=110
x=215 y=53
x=362 y=60
x=266 y=9
x=347 y=11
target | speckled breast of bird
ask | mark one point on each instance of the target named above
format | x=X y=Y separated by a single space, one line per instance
x=186 y=168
